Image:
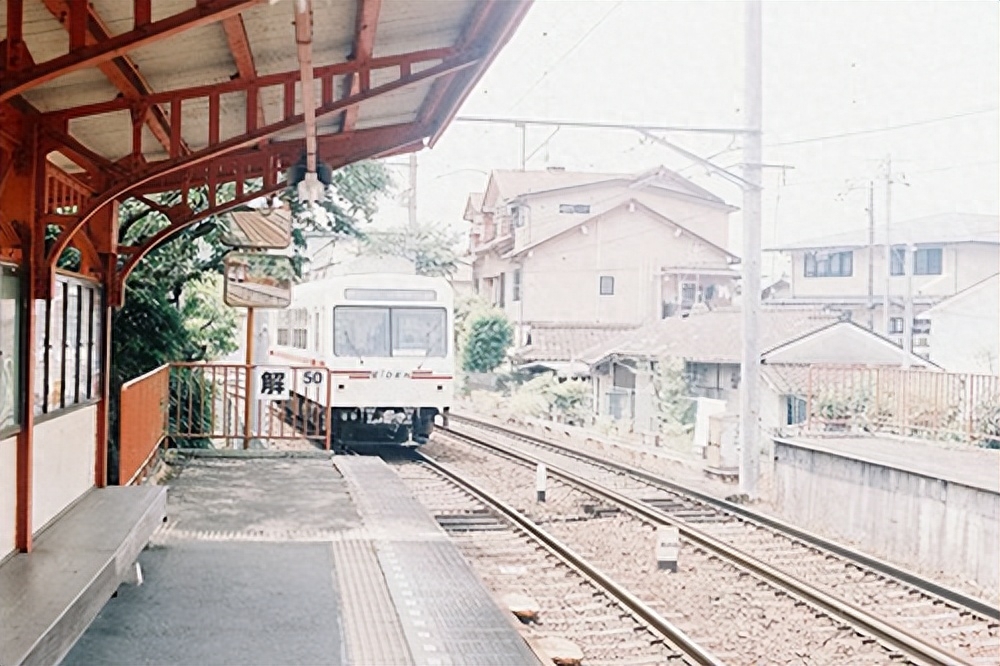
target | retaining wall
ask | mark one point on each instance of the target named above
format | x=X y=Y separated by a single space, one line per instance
x=899 y=514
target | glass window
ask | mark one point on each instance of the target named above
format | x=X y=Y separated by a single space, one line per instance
x=384 y=332
x=515 y=294
x=607 y=285
x=828 y=264
x=71 y=365
x=895 y=324
x=927 y=261
x=10 y=320
x=419 y=332
x=96 y=342
x=55 y=346
x=41 y=346
x=360 y=331
x=898 y=257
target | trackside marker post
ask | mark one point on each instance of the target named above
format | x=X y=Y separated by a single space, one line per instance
x=540 y=483
x=668 y=542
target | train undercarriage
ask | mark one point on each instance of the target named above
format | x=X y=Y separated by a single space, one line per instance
x=368 y=426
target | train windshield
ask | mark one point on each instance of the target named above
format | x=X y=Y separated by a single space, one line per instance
x=384 y=332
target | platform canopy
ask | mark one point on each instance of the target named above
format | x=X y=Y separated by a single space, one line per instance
x=105 y=100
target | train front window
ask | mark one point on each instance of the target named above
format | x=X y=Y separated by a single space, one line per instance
x=418 y=332
x=359 y=331
x=383 y=332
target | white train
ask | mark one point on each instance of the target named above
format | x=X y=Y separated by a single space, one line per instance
x=387 y=340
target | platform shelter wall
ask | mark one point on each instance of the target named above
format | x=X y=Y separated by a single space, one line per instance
x=63 y=468
x=8 y=494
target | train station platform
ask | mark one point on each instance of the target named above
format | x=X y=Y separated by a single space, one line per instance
x=300 y=558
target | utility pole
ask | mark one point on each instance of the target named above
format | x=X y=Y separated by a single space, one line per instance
x=871 y=255
x=413 y=191
x=752 y=196
x=886 y=300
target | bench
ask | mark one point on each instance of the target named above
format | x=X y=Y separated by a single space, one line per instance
x=50 y=596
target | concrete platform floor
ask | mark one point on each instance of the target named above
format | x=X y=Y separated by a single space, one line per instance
x=240 y=574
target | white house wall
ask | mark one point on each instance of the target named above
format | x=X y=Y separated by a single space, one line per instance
x=8 y=494
x=561 y=278
x=965 y=336
x=63 y=468
x=962 y=266
x=708 y=221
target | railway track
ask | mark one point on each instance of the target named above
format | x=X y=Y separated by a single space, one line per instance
x=915 y=619
x=572 y=599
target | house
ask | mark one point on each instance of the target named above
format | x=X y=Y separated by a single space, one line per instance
x=574 y=249
x=710 y=345
x=849 y=272
x=965 y=329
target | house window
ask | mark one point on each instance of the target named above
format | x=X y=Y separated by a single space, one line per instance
x=68 y=340
x=895 y=325
x=921 y=326
x=607 y=285
x=829 y=264
x=515 y=287
x=574 y=208
x=795 y=410
x=927 y=261
x=898 y=257
x=10 y=359
x=502 y=290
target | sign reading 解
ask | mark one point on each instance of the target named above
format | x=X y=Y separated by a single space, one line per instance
x=272 y=382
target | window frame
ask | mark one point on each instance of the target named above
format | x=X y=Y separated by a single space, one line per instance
x=897 y=328
x=390 y=334
x=515 y=285
x=601 y=282
x=813 y=266
x=11 y=273
x=928 y=267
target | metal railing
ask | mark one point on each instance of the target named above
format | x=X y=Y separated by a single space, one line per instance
x=209 y=406
x=909 y=402
x=142 y=423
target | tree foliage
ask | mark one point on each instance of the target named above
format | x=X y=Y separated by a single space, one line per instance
x=490 y=336
x=430 y=248
x=173 y=307
x=671 y=393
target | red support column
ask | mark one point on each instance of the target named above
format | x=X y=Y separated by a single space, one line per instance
x=104 y=232
x=17 y=199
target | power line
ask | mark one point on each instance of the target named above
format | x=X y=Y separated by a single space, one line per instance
x=565 y=55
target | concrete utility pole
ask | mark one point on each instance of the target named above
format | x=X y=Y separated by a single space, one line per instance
x=413 y=190
x=886 y=301
x=871 y=255
x=753 y=160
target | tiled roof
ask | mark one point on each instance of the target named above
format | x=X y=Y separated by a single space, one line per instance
x=710 y=337
x=787 y=378
x=565 y=341
x=937 y=229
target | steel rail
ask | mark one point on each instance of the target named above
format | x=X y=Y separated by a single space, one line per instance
x=633 y=604
x=930 y=587
x=913 y=646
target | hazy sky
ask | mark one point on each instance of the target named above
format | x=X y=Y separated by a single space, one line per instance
x=830 y=68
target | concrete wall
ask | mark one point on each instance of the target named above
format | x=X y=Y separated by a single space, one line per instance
x=913 y=519
x=8 y=494
x=963 y=265
x=64 y=447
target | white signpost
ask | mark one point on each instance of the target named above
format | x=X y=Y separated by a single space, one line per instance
x=668 y=545
x=272 y=382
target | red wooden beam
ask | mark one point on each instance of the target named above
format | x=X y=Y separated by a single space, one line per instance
x=364 y=42
x=281 y=78
x=93 y=55
x=142 y=13
x=144 y=175
x=122 y=71
x=347 y=148
x=239 y=48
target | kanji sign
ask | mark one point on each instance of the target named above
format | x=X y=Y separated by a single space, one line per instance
x=272 y=382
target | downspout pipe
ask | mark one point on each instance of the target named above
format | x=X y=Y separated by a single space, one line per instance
x=310 y=189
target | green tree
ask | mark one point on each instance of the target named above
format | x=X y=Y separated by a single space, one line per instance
x=671 y=393
x=431 y=248
x=173 y=307
x=490 y=336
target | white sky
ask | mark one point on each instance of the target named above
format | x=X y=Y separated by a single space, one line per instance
x=830 y=68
